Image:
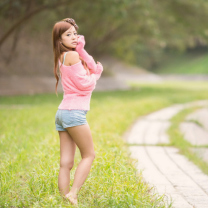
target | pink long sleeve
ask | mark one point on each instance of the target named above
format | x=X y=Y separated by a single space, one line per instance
x=84 y=82
x=84 y=54
x=89 y=60
x=98 y=71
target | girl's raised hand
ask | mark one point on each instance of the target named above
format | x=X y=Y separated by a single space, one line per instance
x=80 y=43
x=99 y=63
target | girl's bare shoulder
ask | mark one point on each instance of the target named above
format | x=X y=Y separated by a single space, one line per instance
x=72 y=57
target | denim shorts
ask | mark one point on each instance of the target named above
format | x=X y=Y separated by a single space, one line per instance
x=67 y=118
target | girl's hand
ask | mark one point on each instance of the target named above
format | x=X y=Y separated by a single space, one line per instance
x=99 y=63
x=80 y=43
x=99 y=66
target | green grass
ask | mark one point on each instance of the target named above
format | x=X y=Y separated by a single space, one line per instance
x=30 y=147
x=177 y=140
x=184 y=64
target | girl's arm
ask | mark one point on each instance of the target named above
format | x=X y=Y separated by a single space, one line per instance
x=82 y=80
x=86 y=57
x=98 y=71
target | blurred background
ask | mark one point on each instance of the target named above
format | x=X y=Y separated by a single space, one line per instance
x=137 y=41
x=154 y=54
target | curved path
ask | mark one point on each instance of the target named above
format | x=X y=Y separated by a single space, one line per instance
x=164 y=167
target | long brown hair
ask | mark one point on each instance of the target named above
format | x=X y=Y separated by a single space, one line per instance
x=58 y=29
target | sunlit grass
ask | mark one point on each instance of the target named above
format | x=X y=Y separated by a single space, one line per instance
x=185 y=64
x=177 y=140
x=30 y=147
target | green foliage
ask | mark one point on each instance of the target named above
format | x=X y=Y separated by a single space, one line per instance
x=188 y=63
x=120 y=26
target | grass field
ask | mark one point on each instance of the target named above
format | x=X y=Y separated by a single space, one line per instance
x=177 y=139
x=30 y=147
x=184 y=64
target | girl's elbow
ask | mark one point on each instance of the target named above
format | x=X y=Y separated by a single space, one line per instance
x=87 y=88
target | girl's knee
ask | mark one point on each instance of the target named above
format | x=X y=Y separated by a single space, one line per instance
x=90 y=156
x=93 y=155
x=66 y=164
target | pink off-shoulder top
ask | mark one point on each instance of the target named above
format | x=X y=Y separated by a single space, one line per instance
x=78 y=85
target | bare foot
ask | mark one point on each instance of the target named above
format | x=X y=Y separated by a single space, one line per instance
x=72 y=198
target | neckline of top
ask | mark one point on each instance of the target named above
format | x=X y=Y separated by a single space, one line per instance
x=69 y=65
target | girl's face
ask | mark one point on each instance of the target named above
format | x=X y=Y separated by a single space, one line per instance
x=70 y=37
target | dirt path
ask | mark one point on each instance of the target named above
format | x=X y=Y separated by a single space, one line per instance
x=163 y=167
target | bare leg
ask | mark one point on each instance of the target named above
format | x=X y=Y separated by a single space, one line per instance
x=83 y=139
x=67 y=152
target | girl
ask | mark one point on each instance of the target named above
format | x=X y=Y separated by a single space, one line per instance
x=79 y=73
